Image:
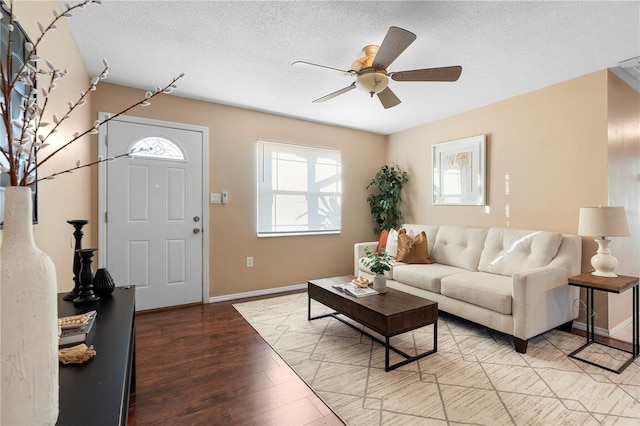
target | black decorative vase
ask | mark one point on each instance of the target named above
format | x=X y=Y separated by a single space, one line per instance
x=103 y=284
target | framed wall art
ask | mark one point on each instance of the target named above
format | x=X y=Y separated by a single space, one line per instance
x=459 y=172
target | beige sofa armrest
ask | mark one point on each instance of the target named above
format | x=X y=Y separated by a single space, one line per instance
x=542 y=300
x=358 y=252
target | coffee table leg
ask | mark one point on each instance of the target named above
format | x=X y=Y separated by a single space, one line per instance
x=636 y=323
x=408 y=358
x=386 y=354
x=435 y=336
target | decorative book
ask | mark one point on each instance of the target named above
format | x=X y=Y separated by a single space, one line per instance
x=75 y=329
x=354 y=290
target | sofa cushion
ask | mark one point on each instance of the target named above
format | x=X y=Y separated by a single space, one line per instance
x=426 y=277
x=489 y=291
x=459 y=246
x=413 y=250
x=507 y=251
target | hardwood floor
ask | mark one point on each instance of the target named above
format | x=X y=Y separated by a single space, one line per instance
x=205 y=365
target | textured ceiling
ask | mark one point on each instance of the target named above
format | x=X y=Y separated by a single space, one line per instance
x=240 y=53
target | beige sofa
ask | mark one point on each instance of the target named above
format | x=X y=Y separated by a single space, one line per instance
x=513 y=281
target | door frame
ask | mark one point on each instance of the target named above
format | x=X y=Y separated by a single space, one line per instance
x=102 y=188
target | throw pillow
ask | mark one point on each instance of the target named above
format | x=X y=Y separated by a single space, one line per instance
x=413 y=250
x=392 y=241
x=382 y=242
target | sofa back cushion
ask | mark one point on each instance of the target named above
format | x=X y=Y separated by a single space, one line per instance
x=458 y=246
x=507 y=251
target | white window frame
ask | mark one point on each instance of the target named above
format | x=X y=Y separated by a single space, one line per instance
x=323 y=213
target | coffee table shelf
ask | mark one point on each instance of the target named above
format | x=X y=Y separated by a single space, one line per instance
x=388 y=314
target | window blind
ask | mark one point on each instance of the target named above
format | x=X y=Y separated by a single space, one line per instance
x=299 y=189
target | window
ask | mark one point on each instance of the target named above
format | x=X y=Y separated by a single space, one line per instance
x=157 y=147
x=299 y=190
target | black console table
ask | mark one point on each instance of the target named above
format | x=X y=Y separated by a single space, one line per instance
x=97 y=392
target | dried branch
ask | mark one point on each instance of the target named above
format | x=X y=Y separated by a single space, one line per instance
x=28 y=135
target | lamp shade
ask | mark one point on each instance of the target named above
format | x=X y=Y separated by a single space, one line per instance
x=603 y=221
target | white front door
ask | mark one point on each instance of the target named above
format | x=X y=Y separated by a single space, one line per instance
x=154 y=211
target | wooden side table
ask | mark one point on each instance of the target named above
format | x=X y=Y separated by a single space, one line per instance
x=618 y=285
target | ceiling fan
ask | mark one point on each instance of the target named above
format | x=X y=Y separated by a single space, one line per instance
x=371 y=69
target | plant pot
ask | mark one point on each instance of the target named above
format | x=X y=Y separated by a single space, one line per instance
x=380 y=283
x=29 y=315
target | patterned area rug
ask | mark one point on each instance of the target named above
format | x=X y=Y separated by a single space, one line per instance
x=476 y=377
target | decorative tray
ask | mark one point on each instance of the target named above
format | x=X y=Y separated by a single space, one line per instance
x=75 y=321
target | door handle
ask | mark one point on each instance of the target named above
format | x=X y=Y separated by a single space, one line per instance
x=196 y=230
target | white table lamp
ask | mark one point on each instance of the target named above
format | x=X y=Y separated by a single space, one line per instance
x=603 y=222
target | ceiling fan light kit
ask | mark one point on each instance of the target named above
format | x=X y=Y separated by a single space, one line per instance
x=372 y=81
x=371 y=69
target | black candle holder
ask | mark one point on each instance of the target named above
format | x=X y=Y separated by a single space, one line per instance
x=86 y=293
x=77 y=224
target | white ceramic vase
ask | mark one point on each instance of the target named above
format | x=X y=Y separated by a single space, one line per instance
x=380 y=283
x=28 y=314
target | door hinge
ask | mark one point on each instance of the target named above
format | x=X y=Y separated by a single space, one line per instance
x=106 y=216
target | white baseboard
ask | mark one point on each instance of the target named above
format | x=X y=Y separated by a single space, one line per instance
x=622 y=325
x=598 y=330
x=603 y=331
x=256 y=293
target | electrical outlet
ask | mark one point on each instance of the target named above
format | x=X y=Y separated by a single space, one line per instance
x=249 y=262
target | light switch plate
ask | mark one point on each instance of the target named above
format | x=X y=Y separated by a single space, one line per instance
x=216 y=198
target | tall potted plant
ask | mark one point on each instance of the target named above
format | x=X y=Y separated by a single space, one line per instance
x=379 y=264
x=28 y=305
x=384 y=202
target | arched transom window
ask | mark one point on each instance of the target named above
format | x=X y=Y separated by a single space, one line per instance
x=157 y=147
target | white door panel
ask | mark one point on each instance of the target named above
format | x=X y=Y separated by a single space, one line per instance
x=154 y=204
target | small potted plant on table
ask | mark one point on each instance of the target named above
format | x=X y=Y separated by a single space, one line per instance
x=379 y=264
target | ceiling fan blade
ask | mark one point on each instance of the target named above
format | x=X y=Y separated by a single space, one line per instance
x=309 y=65
x=429 y=74
x=336 y=93
x=394 y=43
x=388 y=98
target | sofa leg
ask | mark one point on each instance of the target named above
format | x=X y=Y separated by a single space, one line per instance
x=521 y=345
x=567 y=326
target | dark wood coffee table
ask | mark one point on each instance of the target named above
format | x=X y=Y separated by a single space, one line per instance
x=388 y=314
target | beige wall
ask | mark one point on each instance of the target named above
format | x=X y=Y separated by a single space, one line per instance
x=624 y=185
x=552 y=145
x=66 y=197
x=233 y=133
